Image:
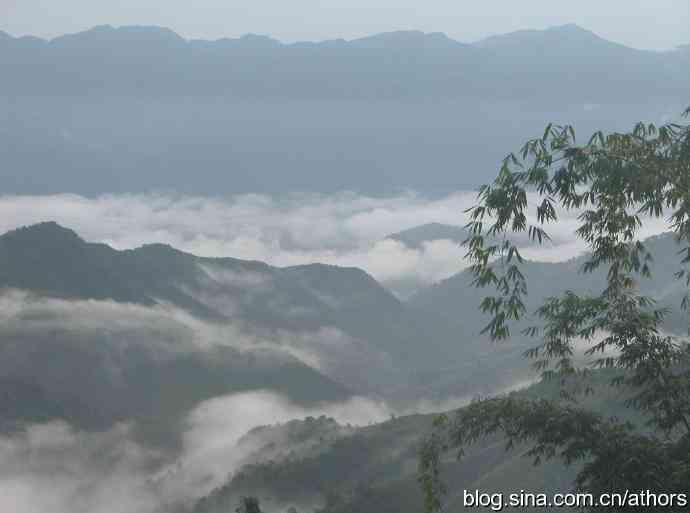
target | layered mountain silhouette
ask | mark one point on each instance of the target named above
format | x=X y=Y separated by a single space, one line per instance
x=455 y=294
x=156 y=330
x=110 y=60
x=570 y=38
x=106 y=335
x=374 y=468
x=131 y=109
x=94 y=334
x=50 y=260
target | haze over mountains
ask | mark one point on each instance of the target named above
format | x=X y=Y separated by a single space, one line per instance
x=234 y=267
x=132 y=109
x=166 y=309
x=338 y=321
x=192 y=352
x=372 y=468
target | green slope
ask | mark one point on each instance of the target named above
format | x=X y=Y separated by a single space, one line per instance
x=373 y=469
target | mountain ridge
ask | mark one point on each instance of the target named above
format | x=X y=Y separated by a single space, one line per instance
x=568 y=32
x=132 y=110
x=97 y=334
x=409 y=38
x=58 y=236
x=53 y=261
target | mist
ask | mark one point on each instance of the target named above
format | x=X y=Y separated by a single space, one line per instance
x=233 y=262
x=71 y=469
x=54 y=467
x=63 y=468
x=344 y=229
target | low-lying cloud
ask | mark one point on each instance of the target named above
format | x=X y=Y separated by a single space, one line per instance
x=46 y=340
x=54 y=467
x=341 y=229
x=211 y=452
x=59 y=468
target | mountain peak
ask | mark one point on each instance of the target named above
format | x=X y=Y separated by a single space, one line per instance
x=408 y=39
x=568 y=39
x=573 y=30
x=127 y=34
x=45 y=231
x=259 y=40
x=569 y=27
x=248 y=41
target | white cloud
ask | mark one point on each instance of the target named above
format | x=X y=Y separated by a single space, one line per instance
x=52 y=467
x=211 y=452
x=112 y=333
x=341 y=229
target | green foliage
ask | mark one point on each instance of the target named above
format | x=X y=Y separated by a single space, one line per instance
x=372 y=468
x=614 y=182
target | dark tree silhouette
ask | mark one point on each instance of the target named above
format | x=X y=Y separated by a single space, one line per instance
x=614 y=182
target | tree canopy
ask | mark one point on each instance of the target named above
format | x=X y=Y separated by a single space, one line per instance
x=614 y=183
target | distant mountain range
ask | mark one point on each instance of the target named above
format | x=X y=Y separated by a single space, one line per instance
x=109 y=60
x=131 y=109
x=402 y=39
x=562 y=36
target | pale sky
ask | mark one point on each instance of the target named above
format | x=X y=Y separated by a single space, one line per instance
x=651 y=24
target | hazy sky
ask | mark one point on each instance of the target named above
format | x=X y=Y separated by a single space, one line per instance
x=657 y=24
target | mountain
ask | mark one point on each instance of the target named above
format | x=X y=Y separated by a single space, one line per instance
x=569 y=39
x=131 y=109
x=408 y=40
x=372 y=469
x=453 y=296
x=109 y=60
x=321 y=332
x=96 y=336
x=429 y=346
x=102 y=336
x=416 y=237
x=83 y=321
x=473 y=361
x=105 y=38
x=50 y=260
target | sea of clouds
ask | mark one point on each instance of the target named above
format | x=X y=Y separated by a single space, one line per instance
x=343 y=229
x=54 y=467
